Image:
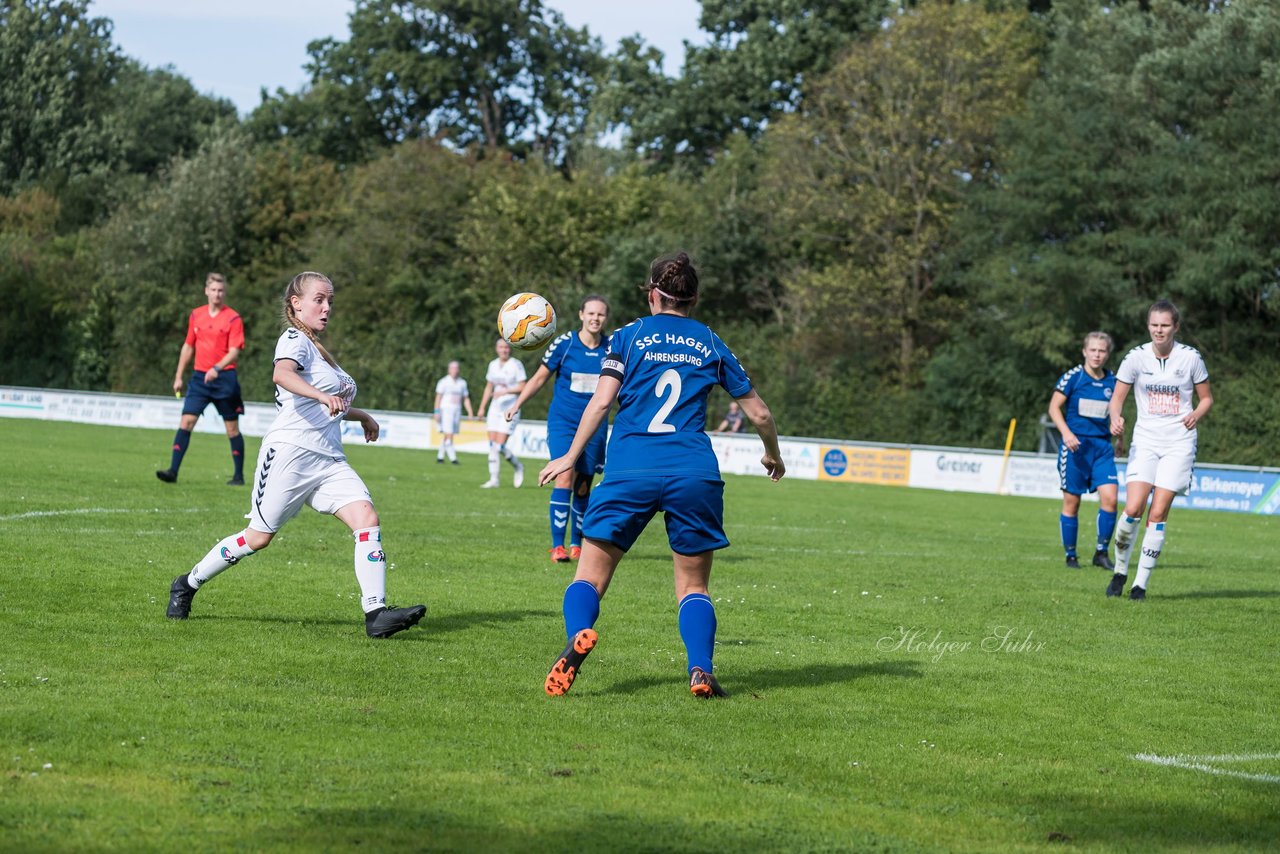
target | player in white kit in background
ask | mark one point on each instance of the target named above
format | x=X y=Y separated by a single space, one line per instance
x=302 y=462
x=451 y=396
x=1163 y=375
x=504 y=380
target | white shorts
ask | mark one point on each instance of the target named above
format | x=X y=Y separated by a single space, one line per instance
x=496 y=421
x=1169 y=468
x=288 y=476
x=450 y=421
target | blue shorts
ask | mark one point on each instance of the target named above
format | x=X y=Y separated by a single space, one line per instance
x=223 y=393
x=560 y=437
x=694 y=510
x=1090 y=466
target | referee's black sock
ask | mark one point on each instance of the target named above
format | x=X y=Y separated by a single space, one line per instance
x=237 y=455
x=180 y=441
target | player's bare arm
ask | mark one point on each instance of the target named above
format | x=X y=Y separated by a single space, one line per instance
x=1117 y=406
x=233 y=353
x=371 y=427
x=184 y=358
x=531 y=387
x=1056 y=402
x=286 y=375
x=1204 y=402
x=757 y=412
x=592 y=417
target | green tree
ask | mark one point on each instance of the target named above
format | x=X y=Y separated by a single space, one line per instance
x=760 y=55
x=57 y=64
x=496 y=75
x=869 y=174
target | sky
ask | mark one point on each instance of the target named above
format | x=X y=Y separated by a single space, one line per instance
x=234 y=48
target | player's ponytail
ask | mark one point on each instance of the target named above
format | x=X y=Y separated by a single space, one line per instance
x=294 y=289
x=674 y=278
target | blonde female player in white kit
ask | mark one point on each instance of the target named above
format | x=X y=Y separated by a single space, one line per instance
x=451 y=396
x=504 y=380
x=1163 y=374
x=302 y=462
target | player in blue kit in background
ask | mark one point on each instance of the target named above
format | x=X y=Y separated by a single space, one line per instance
x=660 y=370
x=575 y=359
x=1087 y=456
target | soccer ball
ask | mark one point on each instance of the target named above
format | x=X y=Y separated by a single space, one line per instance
x=527 y=321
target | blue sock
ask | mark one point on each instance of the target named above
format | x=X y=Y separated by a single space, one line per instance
x=559 y=513
x=237 y=454
x=1070 y=527
x=581 y=607
x=579 y=508
x=698 y=629
x=1106 y=527
x=180 y=441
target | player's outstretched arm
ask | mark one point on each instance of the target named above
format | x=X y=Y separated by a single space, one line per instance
x=762 y=419
x=594 y=415
x=531 y=387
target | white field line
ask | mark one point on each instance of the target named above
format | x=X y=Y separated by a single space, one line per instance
x=1200 y=763
x=88 y=511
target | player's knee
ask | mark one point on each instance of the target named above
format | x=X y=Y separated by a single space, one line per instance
x=257 y=540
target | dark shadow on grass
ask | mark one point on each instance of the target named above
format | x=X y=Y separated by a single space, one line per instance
x=1224 y=594
x=752 y=682
x=459 y=621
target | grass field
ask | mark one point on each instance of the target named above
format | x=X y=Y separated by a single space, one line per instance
x=269 y=721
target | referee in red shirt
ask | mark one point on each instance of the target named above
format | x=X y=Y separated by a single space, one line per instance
x=215 y=336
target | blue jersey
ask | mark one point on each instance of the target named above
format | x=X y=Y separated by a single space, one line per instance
x=667 y=364
x=1087 y=400
x=577 y=371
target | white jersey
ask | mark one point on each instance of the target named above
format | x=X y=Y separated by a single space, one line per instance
x=1162 y=392
x=505 y=375
x=303 y=421
x=452 y=391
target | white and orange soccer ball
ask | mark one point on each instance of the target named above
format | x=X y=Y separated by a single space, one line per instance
x=527 y=321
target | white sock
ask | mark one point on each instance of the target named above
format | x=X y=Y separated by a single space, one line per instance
x=494 y=462
x=1125 y=530
x=1152 y=544
x=371 y=568
x=224 y=555
x=510 y=457
x=449 y=451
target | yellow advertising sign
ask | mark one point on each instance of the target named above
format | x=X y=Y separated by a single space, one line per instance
x=470 y=430
x=886 y=466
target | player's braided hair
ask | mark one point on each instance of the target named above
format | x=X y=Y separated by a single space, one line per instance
x=674 y=278
x=294 y=289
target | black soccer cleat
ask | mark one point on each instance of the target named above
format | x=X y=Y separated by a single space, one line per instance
x=1137 y=594
x=385 y=622
x=566 y=668
x=167 y=475
x=180 y=595
x=704 y=686
x=1116 y=587
x=236 y=481
x=1103 y=560
x=1073 y=562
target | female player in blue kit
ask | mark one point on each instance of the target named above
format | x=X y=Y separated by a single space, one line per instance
x=575 y=359
x=1087 y=455
x=660 y=370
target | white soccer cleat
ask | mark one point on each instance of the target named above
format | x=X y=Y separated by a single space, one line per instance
x=517 y=480
x=489 y=484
